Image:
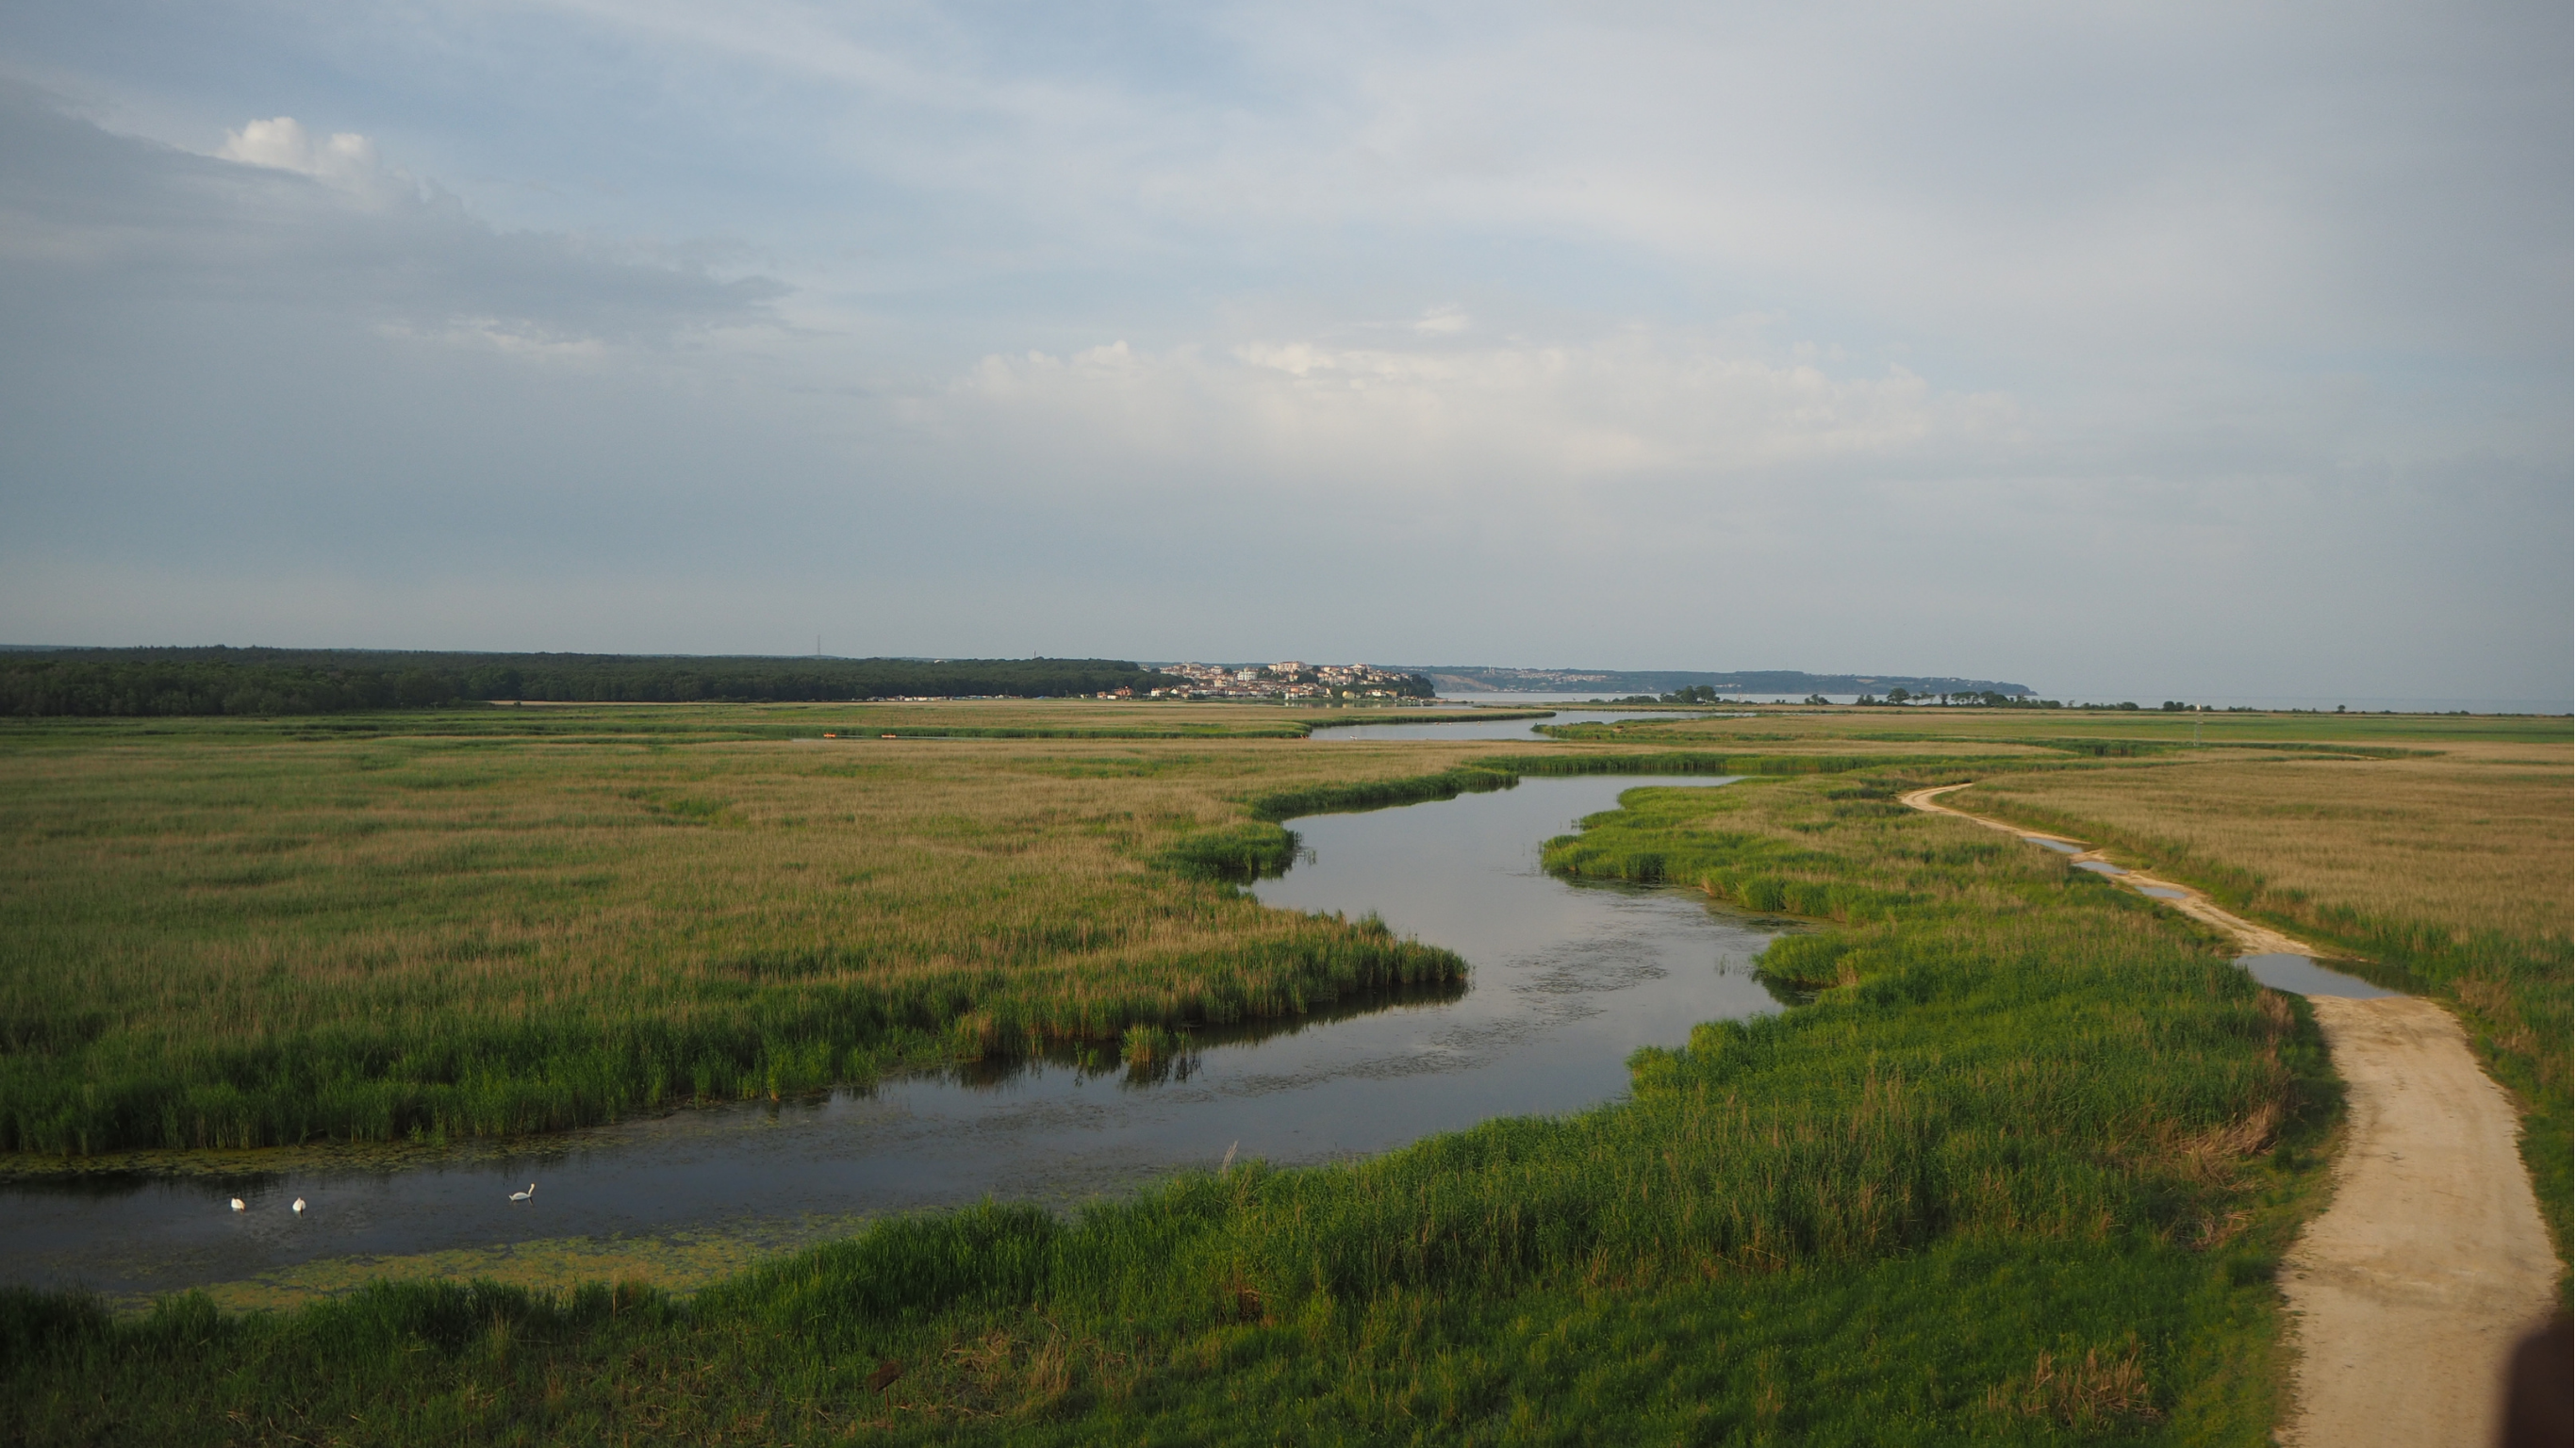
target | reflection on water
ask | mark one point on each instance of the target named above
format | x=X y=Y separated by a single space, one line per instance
x=2299 y=975
x=1566 y=981
x=1103 y=1060
x=2060 y=846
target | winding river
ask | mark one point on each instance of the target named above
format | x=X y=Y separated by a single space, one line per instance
x=1566 y=980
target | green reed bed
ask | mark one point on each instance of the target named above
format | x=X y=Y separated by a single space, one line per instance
x=273 y=939
x=2018 y=1173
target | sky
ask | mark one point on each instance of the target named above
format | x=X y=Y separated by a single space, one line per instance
x=2168 y=350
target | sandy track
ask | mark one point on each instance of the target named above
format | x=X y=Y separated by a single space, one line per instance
x=2409 y=1292
x=2413 y=1287
x=2253 y=939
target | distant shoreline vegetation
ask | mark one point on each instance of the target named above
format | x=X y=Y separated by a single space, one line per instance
x=151 y=682
x=1460 y=679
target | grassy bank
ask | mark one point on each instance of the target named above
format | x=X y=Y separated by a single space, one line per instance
x=2018 y=1173
x=2447 y=874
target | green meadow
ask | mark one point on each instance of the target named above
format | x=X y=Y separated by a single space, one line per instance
x=2017 y=1168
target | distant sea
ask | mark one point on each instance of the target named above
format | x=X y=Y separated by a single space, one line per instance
x=2357 y=703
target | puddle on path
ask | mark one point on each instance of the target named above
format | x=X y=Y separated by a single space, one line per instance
x=2296 y=974
x=2299 y=975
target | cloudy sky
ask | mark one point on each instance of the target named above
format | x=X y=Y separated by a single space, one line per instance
x=2159 y=349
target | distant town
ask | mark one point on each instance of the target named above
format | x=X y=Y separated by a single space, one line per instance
x=1290 y=679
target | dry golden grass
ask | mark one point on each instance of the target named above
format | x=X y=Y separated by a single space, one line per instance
x=252 y=891
x=2476 y=838
x=1767 y=736
x=1918 y=728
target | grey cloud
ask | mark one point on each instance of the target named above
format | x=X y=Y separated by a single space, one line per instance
x=83 y=208
x=2198 y=347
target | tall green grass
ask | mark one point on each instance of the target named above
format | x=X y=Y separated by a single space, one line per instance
x=2019 y=1173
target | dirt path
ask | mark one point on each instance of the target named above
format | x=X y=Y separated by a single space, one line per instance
x=2407 y=1294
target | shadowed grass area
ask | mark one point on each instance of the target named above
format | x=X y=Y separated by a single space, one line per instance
x=2018 y=1173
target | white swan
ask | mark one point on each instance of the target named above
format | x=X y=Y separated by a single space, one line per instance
x=238 y=1205
x=523 y=1196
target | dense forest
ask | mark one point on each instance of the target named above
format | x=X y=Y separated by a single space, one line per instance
x=137 y=682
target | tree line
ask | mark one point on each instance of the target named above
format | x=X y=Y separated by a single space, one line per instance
x=258 y=681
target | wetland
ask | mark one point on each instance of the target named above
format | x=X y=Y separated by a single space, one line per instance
x=1567 y=979
x=1985 y=1148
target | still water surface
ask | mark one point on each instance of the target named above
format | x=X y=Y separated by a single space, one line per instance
x=2299 y=975
x=1567 y=980
x=1522 y=728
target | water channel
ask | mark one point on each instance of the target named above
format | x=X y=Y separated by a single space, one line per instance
x=1567 y=980
x=1524 y=728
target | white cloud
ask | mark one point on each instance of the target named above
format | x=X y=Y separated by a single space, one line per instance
x=343 y=160
x=283 y=143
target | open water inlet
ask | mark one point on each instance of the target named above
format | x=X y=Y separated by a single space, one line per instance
x=1362 y=728
x=1566 y=980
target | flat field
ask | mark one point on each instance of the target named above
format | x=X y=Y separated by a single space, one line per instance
x=2081 y=731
